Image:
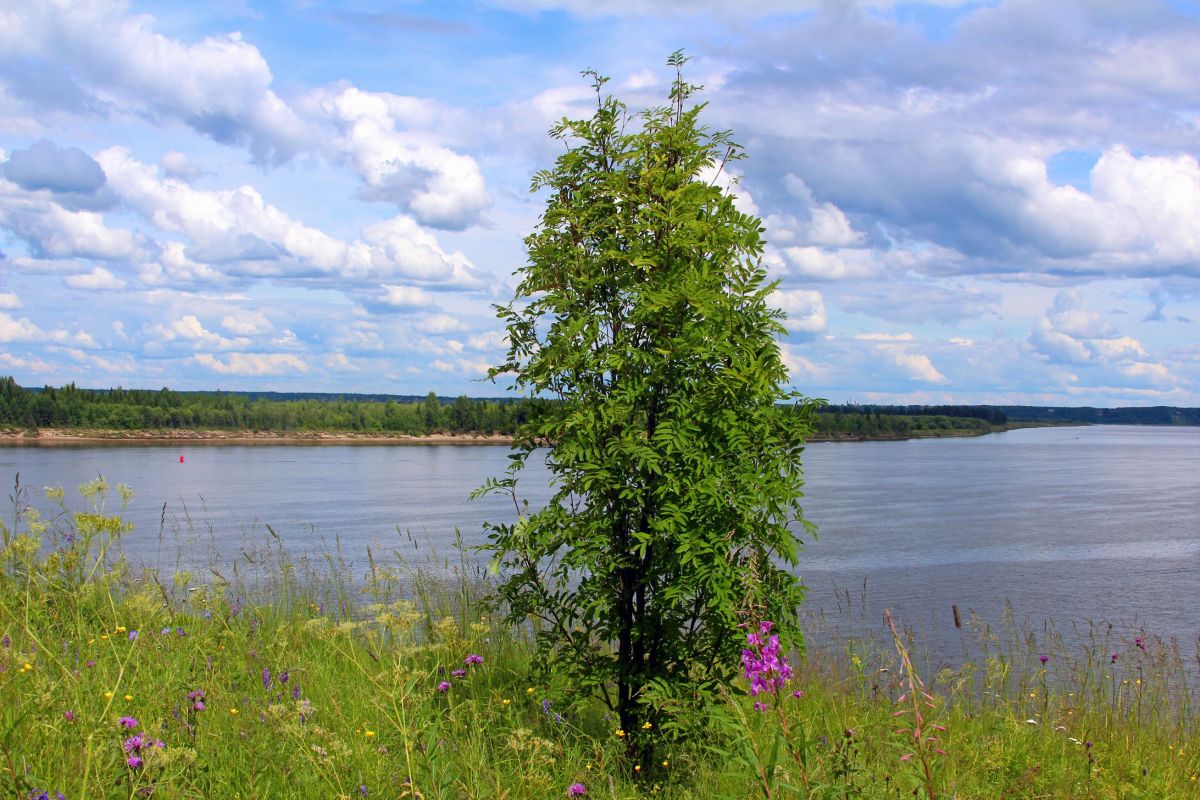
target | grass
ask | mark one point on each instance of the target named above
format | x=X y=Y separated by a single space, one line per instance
x=310 y=682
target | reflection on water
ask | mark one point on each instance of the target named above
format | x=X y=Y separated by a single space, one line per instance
x=1070 y=523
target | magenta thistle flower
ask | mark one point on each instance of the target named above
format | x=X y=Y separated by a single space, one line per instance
x=134 y=762
x=134 y=743
x=458 y=673
x=1140 y=642
x=444 y=686
x=127 y=722
x=1114 y=658
x=1043 y=658
x=576 y=790
x=474 y=658
x=69 y=716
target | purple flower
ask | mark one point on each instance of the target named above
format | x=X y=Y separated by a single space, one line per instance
x=134 y=743
x=283 y=676
x=127 y=722
x=444 y=686
x=798 y=694
x=1140 y=642
x=576 y=790
x=362 y=789
x=133 y=636
x=765 y=667
x=266 y=678
x=473 y=659
x=166 y=631
x=1114 y=658
x=6 y=642
x=134 y=762
x=458 y=673
x=1043 y=658
x=296 y=692
x=69 y=716
x=89 y=663
x=760 y=707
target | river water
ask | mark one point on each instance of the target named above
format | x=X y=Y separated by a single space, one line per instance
x=1097 y=524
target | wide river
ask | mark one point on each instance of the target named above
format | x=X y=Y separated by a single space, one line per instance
x=1070 y=524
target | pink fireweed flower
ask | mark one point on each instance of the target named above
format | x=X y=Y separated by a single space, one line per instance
x=764 y=665
x=760 y=707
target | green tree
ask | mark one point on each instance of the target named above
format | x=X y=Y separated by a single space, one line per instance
x=643 y=309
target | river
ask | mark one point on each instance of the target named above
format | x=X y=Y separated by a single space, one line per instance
x=1071 y=524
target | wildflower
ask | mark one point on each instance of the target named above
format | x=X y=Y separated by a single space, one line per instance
x=133 y=636
x=120 y=629
x=284 y=676
x=620 y=733
x=505 y=701
x=134 y=762
x=666 y=763
x=764 y=667
x=1114 y=659
x=69 y=715
x=6 y=642
x=128 y=722
x=473 y=659
x=760 y=707
x=529 y=690
x=362 y=789
x=108 y=695
x=1043 y=659
x=798 y=694
x=266 y=678
x=134 y=743
x=637 y=767
x=576 y=790
x=369 y=734
x=26 y=667
x=166 y=631
x=104 y=636
x=647 y=726
x=1140 y=642
x=296 y=692
x=458 y=673
x=233 y=711
x=444 y=686
x=89 y=663
x=128 y=697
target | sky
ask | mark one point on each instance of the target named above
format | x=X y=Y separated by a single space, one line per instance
x=965 y=202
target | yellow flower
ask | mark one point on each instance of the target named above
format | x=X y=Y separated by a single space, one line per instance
x=108 y=695
x=620 y=733
x=128 y=697
x=369 y=733
x=666 y=763
x=91 y=641
x=27 y=666
x=233 y=711
x=529 y=690
x=120 y=629
x=646 y=726
x=506 y=701
x=104 y=636
x=637 y=767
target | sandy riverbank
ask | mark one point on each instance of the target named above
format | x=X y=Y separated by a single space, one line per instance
x=55 y=436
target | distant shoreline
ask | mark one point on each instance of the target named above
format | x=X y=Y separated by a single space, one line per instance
x=67 y=436
x=84 y=436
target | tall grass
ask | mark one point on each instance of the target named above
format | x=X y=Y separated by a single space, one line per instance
x=300 y=678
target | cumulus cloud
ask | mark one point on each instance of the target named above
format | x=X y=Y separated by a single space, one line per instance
x=251 y=363
x=189 y=329
x=44 y=166
x=805 y=309
x=98 y=278
x=438 y=186
x=897 y=349
x=9 y=300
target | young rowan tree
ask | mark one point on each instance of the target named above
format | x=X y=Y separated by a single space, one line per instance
x=643 y=311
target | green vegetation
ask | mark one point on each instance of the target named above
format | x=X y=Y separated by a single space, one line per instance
x=643 y=312
x=323 y=683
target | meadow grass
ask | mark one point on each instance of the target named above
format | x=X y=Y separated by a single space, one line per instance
x=305 y=681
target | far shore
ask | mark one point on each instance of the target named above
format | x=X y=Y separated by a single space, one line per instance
x=89 y=436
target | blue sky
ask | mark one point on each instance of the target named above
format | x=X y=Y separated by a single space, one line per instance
x=977 y=202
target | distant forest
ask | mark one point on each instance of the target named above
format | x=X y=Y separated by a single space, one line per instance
x=142 y=409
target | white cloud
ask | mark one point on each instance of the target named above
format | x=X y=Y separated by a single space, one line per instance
x=805 y=309
x=98 y=278
x=188 y=328
x=251 y=363
x=246 y=323
x=9 y=300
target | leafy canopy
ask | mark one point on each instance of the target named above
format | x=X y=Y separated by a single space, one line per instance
x=643 y=310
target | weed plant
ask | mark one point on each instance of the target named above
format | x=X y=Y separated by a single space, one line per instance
x=301 y=680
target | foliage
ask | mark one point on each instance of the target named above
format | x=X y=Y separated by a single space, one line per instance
x=643 y=310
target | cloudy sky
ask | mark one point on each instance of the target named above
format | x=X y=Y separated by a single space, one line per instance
x=980 y=202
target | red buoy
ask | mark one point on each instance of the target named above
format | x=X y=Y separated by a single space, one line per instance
x=181 y=459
